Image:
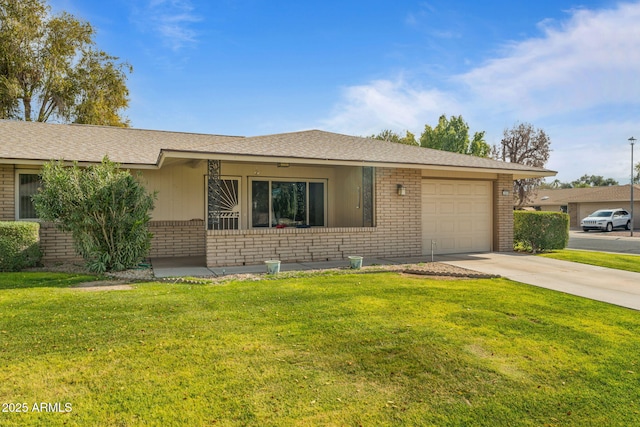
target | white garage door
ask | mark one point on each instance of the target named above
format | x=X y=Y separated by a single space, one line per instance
x=456 y=216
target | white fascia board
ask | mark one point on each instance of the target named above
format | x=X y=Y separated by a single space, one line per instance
x=517 y=173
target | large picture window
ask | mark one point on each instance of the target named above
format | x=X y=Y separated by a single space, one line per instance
x=287 y=203
x=28 y=185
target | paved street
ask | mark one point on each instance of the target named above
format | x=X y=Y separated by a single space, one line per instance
x=617 y=241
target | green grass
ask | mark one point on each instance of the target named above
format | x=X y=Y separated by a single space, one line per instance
x=41 y=280
x=340 y=350
x=601 y=259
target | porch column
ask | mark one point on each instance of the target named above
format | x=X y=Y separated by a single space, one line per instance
x=213 y=193
x=503 y=214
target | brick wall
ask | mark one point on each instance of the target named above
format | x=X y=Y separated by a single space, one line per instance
x=503 y=214
x=7 y=193
x=177 y=238
x=56 y=245
x=170 y=239
x=397 y=232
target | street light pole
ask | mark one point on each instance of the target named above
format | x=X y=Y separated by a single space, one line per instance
x=632 y=140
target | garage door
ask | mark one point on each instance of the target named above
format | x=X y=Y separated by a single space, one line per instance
x=456 y=216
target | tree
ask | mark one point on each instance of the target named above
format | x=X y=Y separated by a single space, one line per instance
x=391 y=136
x=528 y=146
x=554 y=185
x=593 y=181
x=636 y=179
x=584 y=181
x=105 y=209
x=51 y=70
x=453 y=135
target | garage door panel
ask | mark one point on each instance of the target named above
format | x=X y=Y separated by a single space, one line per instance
x=465 y=206
x=465 y=227
x=446 y=245
x=446 y=208
x=465 y=189
x=481 y=190
x=456 y=216
x=465 y=244
x=429 y=188
x=446 y=189
x=445 y=226
x=480 y=209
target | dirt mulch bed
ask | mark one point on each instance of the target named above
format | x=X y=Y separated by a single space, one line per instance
x=123 y=280
x=103 y=285
x=432 y=270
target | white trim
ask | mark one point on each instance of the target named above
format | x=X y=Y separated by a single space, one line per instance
x=243 y=158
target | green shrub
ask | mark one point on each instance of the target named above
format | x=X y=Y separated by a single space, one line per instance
x=540 y=231
x=106 y=209
x=19 y=245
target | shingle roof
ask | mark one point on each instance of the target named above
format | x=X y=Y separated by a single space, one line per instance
x=563 y=196
x=85 y=143
x=614 y=193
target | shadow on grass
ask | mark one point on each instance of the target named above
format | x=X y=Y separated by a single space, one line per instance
x=25 y=280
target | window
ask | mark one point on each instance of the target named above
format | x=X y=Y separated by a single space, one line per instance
x=28 y=185
x=287 y=203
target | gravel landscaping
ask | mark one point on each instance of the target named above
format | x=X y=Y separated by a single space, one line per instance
x=431 y=269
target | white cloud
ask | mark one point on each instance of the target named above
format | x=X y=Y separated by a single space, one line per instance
x=388 y=104
x=171 y=20
x=579 y=81
x=589 y=61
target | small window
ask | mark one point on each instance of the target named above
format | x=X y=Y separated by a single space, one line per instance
x=28 y=185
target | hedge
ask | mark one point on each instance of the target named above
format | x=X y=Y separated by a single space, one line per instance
x=19 y=245
x=540 y=231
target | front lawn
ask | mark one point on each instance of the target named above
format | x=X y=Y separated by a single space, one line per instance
x=370 y=349
x=601 y=259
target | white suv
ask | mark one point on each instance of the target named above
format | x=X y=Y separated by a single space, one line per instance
x=607 y=220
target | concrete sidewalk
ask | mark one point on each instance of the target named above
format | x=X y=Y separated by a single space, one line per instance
x=196 y=266
x=613 y=286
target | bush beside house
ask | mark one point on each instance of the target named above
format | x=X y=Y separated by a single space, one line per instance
x=19 y=246
x=540 y=231
x=105 y=209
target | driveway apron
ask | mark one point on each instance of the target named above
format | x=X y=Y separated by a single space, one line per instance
x=603 y=284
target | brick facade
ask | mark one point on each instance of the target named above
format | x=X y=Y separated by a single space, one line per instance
x=7 y=193
x=56 y=245
x=177 y=238
x=397 y=232
x=503 y=214
x=170 y=239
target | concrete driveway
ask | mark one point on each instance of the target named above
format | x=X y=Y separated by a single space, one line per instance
x=613 y=286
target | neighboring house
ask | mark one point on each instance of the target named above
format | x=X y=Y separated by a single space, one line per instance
x=299 y=196
x=580 y=202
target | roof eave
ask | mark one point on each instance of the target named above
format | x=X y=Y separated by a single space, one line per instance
x=517 y=173
x=40 y=162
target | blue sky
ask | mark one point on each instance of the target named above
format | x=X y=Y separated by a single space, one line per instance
x=250 y=67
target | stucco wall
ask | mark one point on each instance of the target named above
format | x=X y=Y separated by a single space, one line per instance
x=397 y=232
